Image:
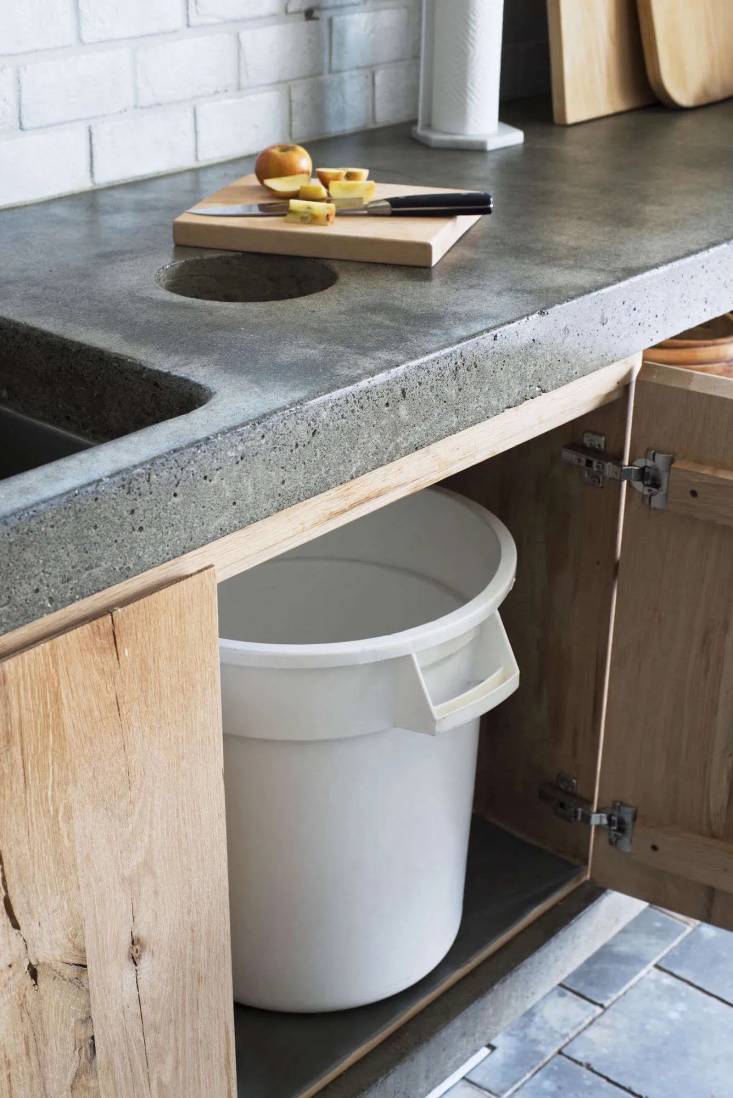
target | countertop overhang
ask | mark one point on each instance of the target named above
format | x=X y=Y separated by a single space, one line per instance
x=607 y=237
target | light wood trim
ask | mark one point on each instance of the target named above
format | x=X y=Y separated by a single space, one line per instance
x=695 y=381
x=694 y=857
x=262 y=540
x=115 y=965
x=701 y=491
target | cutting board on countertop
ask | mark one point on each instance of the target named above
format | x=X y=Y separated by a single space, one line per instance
x=597 y=59
x=688 y=46
x=412 y=241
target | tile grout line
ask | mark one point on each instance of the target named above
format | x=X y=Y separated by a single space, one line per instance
x=538 y=1067
x=600 y=1075
x=600 y=1008
x=702 y=990
x=634 y=979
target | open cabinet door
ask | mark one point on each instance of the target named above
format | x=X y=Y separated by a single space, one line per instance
x=667 y=749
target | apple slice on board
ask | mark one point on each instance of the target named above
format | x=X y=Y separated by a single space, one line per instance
x=288 y=186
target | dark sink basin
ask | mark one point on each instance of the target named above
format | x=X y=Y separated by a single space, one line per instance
x=28 y=443
x=58 y=397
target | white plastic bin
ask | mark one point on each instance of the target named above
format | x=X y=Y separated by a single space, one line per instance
x=354 y=672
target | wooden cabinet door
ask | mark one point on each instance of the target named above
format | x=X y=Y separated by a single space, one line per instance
x=115 y=968
x=668 y=737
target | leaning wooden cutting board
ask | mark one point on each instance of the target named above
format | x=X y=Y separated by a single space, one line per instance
x=412 y=241
x=597 y=59
x=688 y=46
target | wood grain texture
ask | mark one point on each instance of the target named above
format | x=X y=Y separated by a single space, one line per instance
x=668 y=741
x=597 y=59
x=115 y=976
x=557 y=618
x=701 y=491
x=694 y=857
x=688 y=48
x=284 y=530
x=412 y=242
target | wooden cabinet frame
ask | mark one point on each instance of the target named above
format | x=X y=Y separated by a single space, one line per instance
x=644 y=713
x=114 y=946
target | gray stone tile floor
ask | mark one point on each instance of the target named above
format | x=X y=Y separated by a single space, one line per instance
x=649 y=1015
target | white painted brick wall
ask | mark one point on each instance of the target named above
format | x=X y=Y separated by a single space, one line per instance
x=36 y=24
x=216 y=11
x=186 y=69
x=79 y=86
x=284 y=51
x=44 y=163
x=97 y=91
x=8 y=99
x=370 y=38
x=156 y=141
x=235 y=127
x=331 y=104
x=395 y=92
x=104 y=19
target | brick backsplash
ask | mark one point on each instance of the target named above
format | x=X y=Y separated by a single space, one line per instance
x=94 y=92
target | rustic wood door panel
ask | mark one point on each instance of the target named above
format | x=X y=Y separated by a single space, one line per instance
x=115 y=971
x=668 y=740
x=558 y=620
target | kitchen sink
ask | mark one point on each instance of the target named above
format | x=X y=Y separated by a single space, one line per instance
x=28 y=443
x=58 y=397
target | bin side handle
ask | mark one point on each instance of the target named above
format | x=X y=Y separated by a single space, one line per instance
x=418 y=713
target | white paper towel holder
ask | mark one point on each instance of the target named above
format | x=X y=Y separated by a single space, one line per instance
x=501 y=135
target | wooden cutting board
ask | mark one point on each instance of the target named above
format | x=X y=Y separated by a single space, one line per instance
x=597 y=59
x=413 y=241
x=688 y=46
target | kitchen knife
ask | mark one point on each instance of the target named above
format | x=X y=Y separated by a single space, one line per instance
x=445 y=204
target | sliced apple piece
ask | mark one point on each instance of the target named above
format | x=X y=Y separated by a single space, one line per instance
x=310 y=213
x=313 y=192
x=353 y=188
x=328 y=175
x=286 y=186
x=356 y=173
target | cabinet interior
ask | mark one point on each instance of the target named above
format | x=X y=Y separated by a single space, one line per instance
x=523 y=858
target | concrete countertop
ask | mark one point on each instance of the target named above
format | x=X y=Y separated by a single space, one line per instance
x=607 y=237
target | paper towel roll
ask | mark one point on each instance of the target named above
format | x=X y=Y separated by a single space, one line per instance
x=466 y=65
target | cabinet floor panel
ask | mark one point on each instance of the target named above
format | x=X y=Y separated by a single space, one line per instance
x=508 y=882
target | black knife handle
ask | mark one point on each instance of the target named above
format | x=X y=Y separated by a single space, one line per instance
x=443 y=204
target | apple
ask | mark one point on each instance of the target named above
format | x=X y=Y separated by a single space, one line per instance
x=313 y=192
x=356 y=188
x=287 y=186
x=310 y=213
x=278 y=160
x=327 y=175
x=356 y=173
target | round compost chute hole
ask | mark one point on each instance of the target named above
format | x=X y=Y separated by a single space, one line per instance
x=234 y=277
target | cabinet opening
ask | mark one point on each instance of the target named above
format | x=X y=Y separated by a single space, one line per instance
x=522 y=859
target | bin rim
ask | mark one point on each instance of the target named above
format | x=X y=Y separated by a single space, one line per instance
x=463 y=619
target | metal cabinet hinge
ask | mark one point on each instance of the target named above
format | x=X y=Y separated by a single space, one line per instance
x=617 y=821
x=648 y=475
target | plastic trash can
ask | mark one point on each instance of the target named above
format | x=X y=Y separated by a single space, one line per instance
x=354 y=673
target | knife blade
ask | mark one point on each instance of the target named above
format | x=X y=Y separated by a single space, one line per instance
x=442 y=204
x=257 y=209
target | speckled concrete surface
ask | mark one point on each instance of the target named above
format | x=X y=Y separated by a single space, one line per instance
x=606 y=238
